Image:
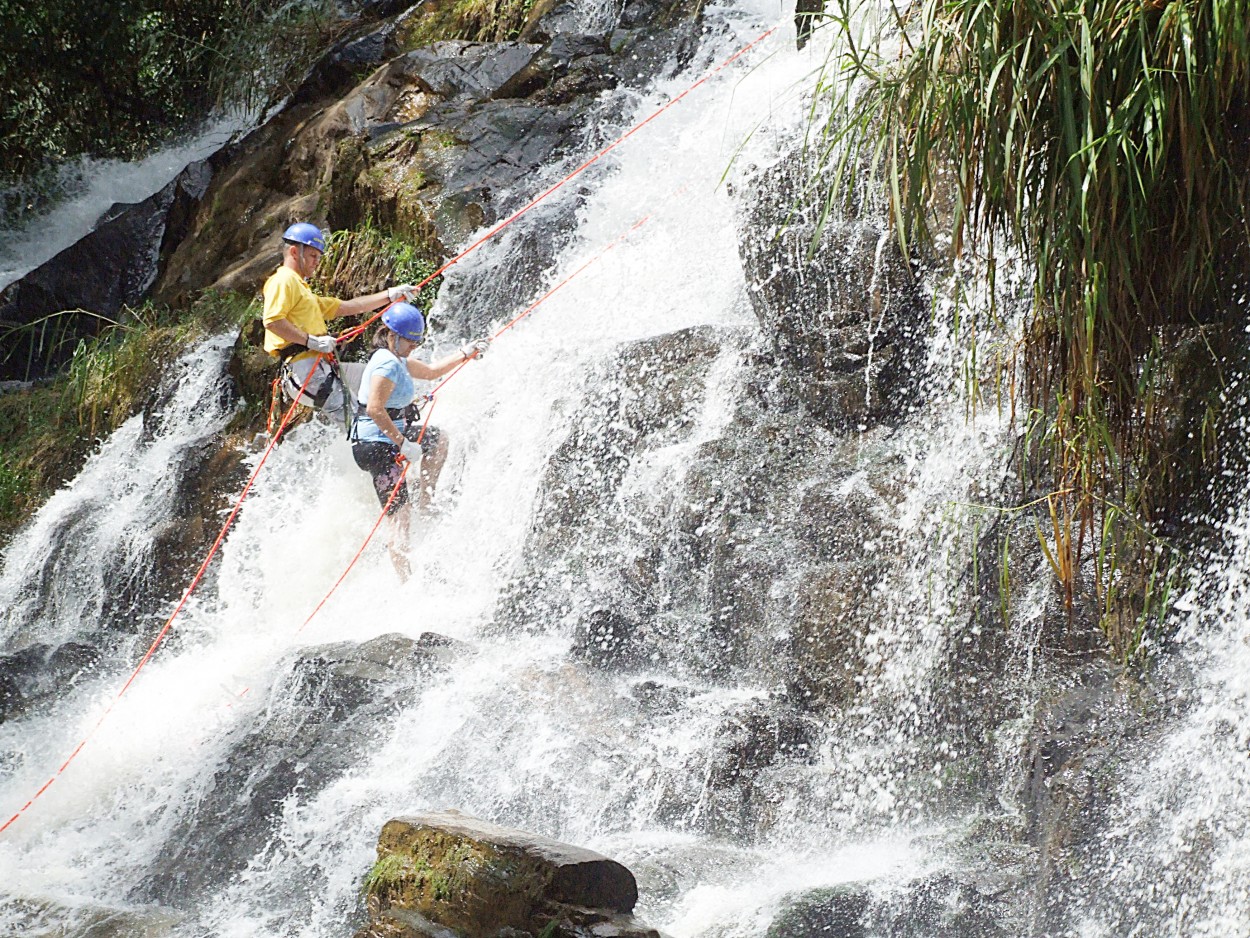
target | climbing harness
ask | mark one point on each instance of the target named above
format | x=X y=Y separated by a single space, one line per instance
x=291 y=410
x=319 y=393
x=410 y=414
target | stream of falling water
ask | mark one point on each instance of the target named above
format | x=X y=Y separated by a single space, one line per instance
x=89 y=187
x=514 y=731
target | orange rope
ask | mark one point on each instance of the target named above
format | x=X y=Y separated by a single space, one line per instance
x=358 y=330
x=432 y=397
x=347 y=336
x=160 y=637
x=374 y=530
x=273 y=402
x=542 y=299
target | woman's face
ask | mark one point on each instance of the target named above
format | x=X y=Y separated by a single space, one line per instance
x=404 y=347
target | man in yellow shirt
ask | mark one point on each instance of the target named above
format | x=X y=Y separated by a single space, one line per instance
x=295 y=319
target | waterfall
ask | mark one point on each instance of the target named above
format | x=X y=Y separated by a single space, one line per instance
x=67 y=575
x=1174 y=857
x=87 y=187
x=615 y=467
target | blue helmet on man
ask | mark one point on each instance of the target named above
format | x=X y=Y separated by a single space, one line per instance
x=305 y=234
x=405 y=320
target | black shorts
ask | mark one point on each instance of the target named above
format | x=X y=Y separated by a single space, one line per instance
x=378 y=459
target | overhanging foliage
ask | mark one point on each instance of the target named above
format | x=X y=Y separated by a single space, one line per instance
x=1108 y=141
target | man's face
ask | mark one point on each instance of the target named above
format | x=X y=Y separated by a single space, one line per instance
x=306 y=259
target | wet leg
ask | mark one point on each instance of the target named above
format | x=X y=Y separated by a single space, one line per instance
x=431 y=468
x=399 y=542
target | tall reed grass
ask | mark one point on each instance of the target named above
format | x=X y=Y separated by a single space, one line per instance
x=47 y=430
x=1107 y=141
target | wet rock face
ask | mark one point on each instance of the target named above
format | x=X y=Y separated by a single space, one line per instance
x=39 y=674
x=85 y=919
x=937 y=906
x=311 y=730
x=151 y=567
x=741 y=795
x=835 y=912
x=455 y=876
x=436 y=143
x=1073 y=765
x=844 y=318
x=111 y=267
x=745 y=554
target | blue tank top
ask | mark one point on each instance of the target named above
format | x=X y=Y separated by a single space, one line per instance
x=387 y=365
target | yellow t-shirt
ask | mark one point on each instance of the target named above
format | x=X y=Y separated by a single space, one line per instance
x=287 y=297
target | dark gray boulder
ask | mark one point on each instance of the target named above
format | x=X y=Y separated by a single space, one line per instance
x=831 y=912
x=319 y=722
x=840 y=307
x=940 y=905
x=41 y=673
x=111 y=267
x=83 y=918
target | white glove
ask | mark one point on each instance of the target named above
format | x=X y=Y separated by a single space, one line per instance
x=322 y=343
x=411 y=451
x=405 y=292
x=475 y=349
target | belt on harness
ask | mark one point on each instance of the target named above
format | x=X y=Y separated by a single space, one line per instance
x=410 y=414
x=325 y=388
x=287 y=352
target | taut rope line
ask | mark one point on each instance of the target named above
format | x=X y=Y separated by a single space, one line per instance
x=186 y=595
x=346 y=336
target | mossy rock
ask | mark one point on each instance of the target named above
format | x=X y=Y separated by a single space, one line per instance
x=829 y=912
x=456 y=872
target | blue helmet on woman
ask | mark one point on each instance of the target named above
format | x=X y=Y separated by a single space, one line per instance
x=405 y=320
x=306 y=234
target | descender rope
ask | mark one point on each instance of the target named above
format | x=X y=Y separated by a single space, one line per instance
x=347 y=336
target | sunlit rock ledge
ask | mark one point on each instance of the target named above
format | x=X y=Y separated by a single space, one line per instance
x=449 y=875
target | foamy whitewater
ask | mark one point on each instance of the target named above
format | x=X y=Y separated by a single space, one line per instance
x=514 y=731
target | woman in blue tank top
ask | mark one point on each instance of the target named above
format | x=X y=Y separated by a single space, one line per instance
x=387 y=421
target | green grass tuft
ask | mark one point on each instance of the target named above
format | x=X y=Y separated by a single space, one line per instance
x=473 y=20
x=358 y=260
x=47 y=431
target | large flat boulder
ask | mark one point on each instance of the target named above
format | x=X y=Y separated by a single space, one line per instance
x=447 y=873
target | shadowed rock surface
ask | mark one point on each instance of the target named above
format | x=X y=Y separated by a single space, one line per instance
x=40 y=673
x=844 y=317
x=113 y=266
x=434 y=144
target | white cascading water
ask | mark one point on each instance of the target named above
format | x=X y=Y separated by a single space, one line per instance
x=94 y=539
x=513 y=731
x=1175 y=861
x=90 y=187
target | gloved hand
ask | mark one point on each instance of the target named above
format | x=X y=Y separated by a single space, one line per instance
x=405 y=292
x=411 y=451
x=322 y=343
x=475 y=349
